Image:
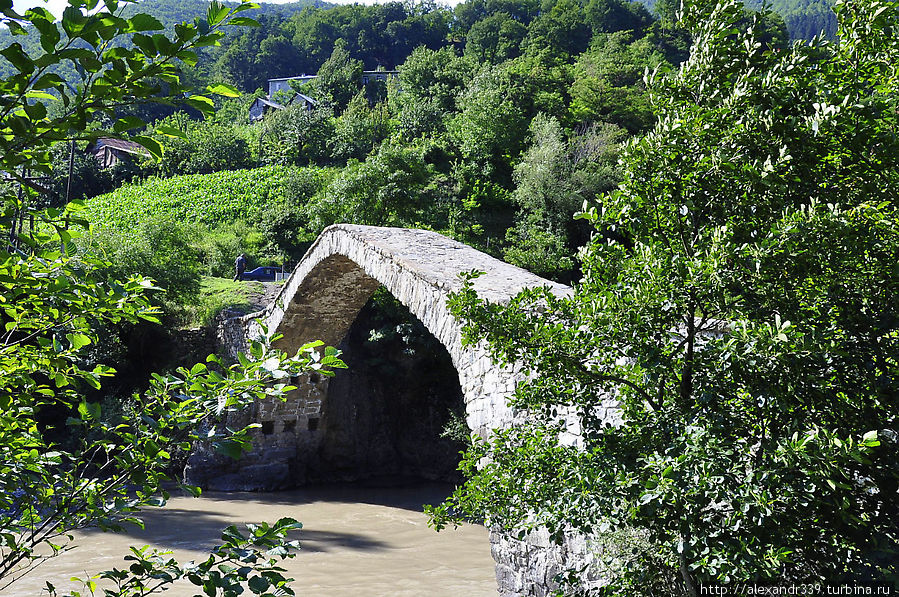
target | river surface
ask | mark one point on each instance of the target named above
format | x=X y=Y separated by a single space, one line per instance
x=356 y=542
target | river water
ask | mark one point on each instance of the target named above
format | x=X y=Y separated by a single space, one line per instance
x=356 y=541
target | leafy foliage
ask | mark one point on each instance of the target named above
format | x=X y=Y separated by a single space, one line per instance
x=739 y=305
x=339 y=79
x=359 y=131
x=608 y=84
x=554 y=180
x=202 y=199
x=91 y=470
x=806 y=19
x=297 y=136
x=243 y=561
x=162 y=250
x=384 y=190
x=201 y=147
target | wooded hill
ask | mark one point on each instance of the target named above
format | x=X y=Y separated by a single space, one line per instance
x=804 y=18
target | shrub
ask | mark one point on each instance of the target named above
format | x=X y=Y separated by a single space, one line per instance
x=208 y=146
x=217 y=248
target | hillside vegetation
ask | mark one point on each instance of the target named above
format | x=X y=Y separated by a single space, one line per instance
x=804 y=18
x=209 y=199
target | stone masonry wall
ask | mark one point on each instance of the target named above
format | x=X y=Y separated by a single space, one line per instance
x=529 y=566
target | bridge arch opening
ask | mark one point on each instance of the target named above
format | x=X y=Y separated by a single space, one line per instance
x=397 y=413
x=384 y=417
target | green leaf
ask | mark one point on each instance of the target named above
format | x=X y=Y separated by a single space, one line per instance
x=89 y=410
x=244 y=22
x=127 y=123
x=258 y=584
x=73 y=21
x=201 y=103
x=223 y=90
x=145 y=43
x=150 y=144
x=144 y=22
x=171 y=131
x=231 y=449
x=870 y=439
x=18 y=58
x=33 y=94
x=216 y=13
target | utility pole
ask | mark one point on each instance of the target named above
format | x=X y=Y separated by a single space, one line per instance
x=71 y=167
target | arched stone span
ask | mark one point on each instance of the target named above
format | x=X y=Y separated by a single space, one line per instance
x=420 y=268
x=320 y=301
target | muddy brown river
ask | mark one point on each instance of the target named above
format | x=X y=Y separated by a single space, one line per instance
x=356 y=542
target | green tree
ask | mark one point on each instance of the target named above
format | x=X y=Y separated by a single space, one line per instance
x=540 y=83
x=358 y=130
x=379 y=35
x=99 y=471
x=265 y=52
x=489 y=129
x=553 y=180
x=339 y=79
x=739 y=305
x=203 y=146
x=437 y=75
x=297 y=135
x=470 y=12
x=608 y=82
x=160 y=249
x=609 y=16
x=562 y=31
x=387 y=189
x=494 y=39
x=424 y=97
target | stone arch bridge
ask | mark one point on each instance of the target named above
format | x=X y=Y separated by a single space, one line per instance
x=322 y=298
x=347 y=263
x=320 y=301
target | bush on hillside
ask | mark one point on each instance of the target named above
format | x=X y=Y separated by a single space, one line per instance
x=388 y=189
x=217 y=248
x=159 y=249
x=208 y=146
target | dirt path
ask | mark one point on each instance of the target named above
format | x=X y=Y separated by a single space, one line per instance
x=262 y=294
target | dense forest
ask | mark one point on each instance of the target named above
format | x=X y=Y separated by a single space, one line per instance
x=504 y=118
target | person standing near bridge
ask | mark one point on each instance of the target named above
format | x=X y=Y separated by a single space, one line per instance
x=240 y=266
